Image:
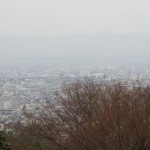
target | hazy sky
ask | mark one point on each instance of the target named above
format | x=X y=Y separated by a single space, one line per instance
x=63 y=17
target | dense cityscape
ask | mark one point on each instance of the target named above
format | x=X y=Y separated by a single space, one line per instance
x=31 y=87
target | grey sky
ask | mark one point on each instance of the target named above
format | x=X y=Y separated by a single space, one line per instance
x=63 y=17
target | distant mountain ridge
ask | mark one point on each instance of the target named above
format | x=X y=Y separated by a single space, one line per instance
x=98 y=45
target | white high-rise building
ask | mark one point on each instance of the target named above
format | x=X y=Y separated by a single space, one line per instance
x=7 y=105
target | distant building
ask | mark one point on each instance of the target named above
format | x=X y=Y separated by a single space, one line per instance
x=5 y=105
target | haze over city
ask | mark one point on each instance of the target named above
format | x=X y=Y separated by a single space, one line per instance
x=74 y=74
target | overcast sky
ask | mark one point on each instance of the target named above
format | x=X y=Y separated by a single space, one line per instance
x=67 y=17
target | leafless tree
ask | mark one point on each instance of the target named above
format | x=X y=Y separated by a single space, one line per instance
x=95 y=114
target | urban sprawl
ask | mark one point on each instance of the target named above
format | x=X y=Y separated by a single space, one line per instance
x=30 y=88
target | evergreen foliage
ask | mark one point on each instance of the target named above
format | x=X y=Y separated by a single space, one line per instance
x=3 y=144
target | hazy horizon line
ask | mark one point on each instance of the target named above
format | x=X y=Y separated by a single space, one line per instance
x=77 y=34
